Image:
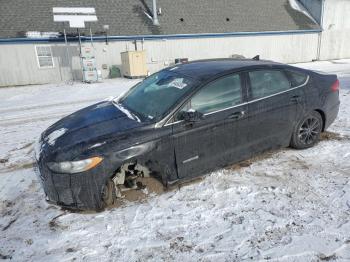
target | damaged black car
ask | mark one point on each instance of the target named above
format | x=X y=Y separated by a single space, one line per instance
x=181 y=123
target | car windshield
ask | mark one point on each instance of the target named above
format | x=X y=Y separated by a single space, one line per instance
x=154 y=97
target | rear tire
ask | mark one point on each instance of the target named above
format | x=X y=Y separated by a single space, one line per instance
x=307 y=132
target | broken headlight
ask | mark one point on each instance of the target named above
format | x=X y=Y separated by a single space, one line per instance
x=72 y=167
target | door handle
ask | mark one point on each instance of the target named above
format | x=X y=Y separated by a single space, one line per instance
x=295 y=98
x=236 y=115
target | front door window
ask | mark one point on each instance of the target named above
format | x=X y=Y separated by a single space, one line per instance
x=218 y=95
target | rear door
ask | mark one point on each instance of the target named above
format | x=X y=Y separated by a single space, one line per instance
x=274 y=106
x=215 y=140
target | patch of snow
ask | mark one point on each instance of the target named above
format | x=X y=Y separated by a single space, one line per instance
x=126 y=112
x=346 y=155
x=178 y=83
x=97 y=145
x=110 y=98
x=38 y=148
x=296 y=5
x=36 y=34
x=101 y=105
x=51 y=138
x=340 y=67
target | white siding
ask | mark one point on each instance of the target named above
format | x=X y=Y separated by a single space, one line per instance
x=18 y=62
x=282 y=48
x=19 y=66
x=336 y=35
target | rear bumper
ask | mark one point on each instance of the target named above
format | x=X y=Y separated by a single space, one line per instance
x=331 y=114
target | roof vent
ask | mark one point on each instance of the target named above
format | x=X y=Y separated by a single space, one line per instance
x=155 y=13
x=181 y=19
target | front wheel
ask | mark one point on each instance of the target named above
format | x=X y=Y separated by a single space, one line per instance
x=109 y=193
x=307 y=132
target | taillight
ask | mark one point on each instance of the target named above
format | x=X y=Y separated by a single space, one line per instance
x=335 y=86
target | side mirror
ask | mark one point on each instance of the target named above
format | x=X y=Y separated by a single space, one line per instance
x=191 y=116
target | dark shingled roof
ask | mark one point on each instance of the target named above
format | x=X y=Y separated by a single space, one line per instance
x=127 y=17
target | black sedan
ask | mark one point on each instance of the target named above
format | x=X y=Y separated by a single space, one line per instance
x=180 y=123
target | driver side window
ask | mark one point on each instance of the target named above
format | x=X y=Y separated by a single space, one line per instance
x=217 y=95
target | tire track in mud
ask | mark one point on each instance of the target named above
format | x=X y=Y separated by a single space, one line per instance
x=37 y=113
x=41 y=106
x=12 y=168
x=327 y=136
x=25 y=120
x=6 y=165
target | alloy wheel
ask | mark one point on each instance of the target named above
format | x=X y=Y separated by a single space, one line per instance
x=309 y=130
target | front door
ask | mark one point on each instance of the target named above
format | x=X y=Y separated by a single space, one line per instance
x=220 y=136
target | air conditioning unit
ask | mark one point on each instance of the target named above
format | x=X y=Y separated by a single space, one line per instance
x=134 y=64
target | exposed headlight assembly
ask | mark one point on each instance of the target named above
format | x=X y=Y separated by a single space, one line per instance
x=72 y=167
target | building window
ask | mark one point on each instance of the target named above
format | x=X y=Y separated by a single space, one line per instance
x=44 y=55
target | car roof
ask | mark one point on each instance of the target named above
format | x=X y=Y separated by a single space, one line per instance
x=206 y=69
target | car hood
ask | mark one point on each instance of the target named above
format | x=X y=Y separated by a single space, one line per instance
x=101 y=121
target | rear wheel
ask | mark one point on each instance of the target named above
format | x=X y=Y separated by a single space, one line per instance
x=307 y=132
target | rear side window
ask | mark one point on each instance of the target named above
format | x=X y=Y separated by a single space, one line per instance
x=218 y=95
x=267 y=82
x=297 y=78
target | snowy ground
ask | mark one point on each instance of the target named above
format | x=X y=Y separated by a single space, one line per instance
x=284 y=206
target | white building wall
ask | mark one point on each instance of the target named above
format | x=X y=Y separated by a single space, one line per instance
x=335 y=41
x=18 y=62
x=282 y=48
x=18 y=66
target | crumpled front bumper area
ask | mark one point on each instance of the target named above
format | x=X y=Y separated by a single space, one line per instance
x=82 y=191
